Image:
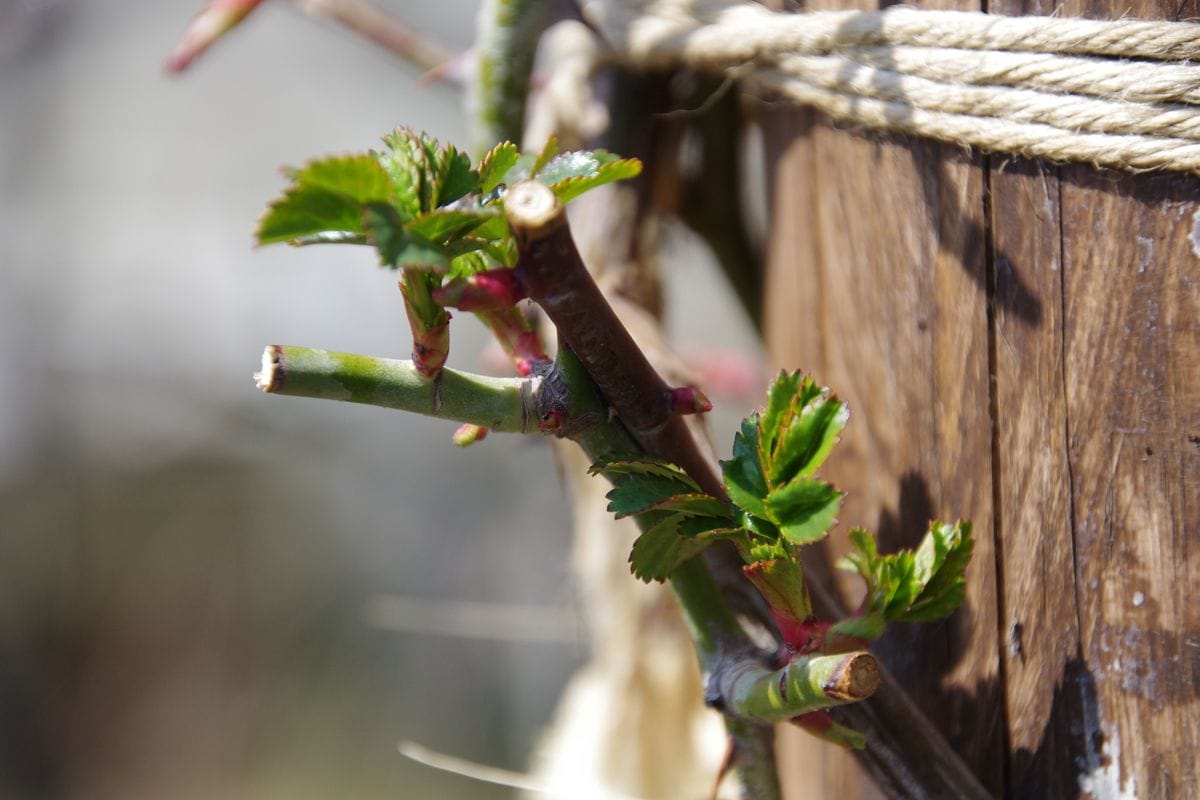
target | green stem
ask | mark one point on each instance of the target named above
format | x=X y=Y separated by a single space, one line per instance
x=720 y=641
x=501 y=404
x=385 y=30
x=805 y=684
x=726 y=654
x=715 y=629
x=429 y=322
x=553 y=274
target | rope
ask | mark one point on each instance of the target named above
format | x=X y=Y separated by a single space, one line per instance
x=1116 y=93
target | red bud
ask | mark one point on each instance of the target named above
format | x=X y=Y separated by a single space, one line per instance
x=469 y=434
x=690 y=400
x=493 y=290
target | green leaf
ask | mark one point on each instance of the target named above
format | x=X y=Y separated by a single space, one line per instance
x=331 y=237
x=443 y=226
x=744 y=480
x=710 y=528
x=808 y=438
x=306 y=211
x=406 y=165
x=660 y=549
x=697 y=504
x=804 y=509
x=568 y=189
x=573 y=173
x=549 y=150
x=641 y=493
x=496 y=164
x=398 y=247
x=781 y=395
x=781 y=582
x=866 y=626
x=642 y=465
x=447 y=173
x=862 y=555
x=898 y=579
x=358 y=178
x=799 y=426
x=941 y=563
x=907 y=586
x=470 y=263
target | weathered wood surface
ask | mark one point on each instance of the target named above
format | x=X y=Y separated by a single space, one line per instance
x=1020 y=344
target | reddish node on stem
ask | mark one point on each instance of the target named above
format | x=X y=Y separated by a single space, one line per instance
x=431 y=348
x=527 y=350
x=468 y=434
x=553 y=421
x=214 y=21
x=799 y=637
x=493 y=290
x=520 y=342
x=816 y=722
x=690 y=400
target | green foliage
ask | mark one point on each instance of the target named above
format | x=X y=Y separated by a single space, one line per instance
x=908 y=586
x=496 y=164
x=678 y=520
x=572 y=173
x=422 y=205
x=774 y=456
x=777 y=505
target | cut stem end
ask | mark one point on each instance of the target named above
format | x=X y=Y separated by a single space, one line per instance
x=272 y=369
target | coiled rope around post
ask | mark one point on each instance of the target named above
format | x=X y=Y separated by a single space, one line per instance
x=1120 y=94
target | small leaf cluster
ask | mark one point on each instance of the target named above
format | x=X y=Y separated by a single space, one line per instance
x=775 y=453
x=424 y=205
x=777 y=505
x=908 y=586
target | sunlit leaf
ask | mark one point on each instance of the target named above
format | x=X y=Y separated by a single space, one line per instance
x=804 y=509
x=359 y=178
x=496 y=164
x=304 y=211
x=660 y=550
x=910 y=586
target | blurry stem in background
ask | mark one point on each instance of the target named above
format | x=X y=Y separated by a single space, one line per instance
x=506 y=41
x=710 y=197
x=384 y=29
x=211 y=23
x=219 y=17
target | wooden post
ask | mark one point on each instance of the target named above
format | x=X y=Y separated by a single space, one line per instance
x=1020 y=344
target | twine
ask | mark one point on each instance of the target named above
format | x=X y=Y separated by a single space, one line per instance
x=1117 y=93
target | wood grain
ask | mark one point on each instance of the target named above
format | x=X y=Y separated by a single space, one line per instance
x=1098 y=512
x=878 y=284
x=912 y=277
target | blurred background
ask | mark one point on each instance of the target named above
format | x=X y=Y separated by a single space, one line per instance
x=205 y=591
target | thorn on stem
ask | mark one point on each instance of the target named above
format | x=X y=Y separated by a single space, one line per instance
x=690 y=400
